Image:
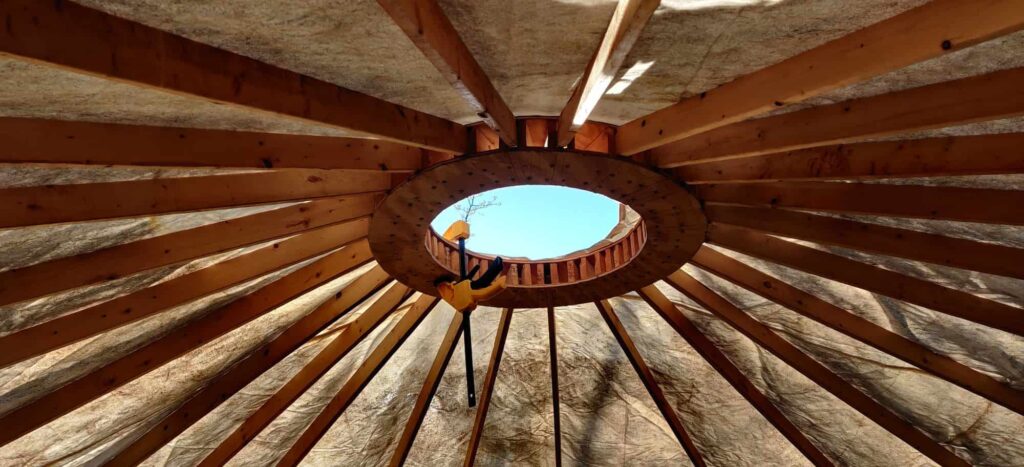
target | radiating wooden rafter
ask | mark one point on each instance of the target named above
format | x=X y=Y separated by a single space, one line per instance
x=429 y=28
x=990 y=96
x=430 y=384
x=718 y=360
x=128 y=258
x=859 y=328
x=555 y=399
x=41 y=141
x=250 y=367
x=345 y=340
x=931 y=30
x=358 y=380
x=647 y=377
x=25 y=206
x=176 y=343
x=104 y=316
x=961 y=253
x=89 y=41
x=930 y=157
x=628 y=21
x=487 y=390
x=909 y=289
x=787 y=352
x=982 y=205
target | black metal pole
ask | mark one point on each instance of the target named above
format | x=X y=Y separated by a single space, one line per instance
x=468 y=342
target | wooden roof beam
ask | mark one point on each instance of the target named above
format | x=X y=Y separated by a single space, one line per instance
x=261 y=359
x=647 y=376
x=859 y=328
x=555 y=399
x=961 y=253
x=488 y=387
x=990 y=96
x=129 y=258
x=931 y=30
x=358 y=380
x=309 y=374
x=197 y=333
x=39 y=141
x=89 y=41
x=983 y=205
x=707 y=349
x=831 y=382
x=104 y=316
x=427 y=26
x=931 y=157
x=909 y=289
x=49 y=204
x=624 y=29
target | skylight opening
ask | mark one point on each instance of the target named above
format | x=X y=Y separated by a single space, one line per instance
x=533 y=221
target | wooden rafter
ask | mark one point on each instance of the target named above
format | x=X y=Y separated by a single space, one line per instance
x=978 y=98
x=90 y=41
x=553 y=352
x=787 y=352
x=430 y=384
x=358 y=380
x=67 y=142
x=859 y=328
x=179 y=341
x=427 y=26
x=488 y=387
x=624 y=29
x=931 y=157
x=707 y=349
x=988 y=206
x=104 y=316
x=129 y=258
x=931 y=30
x=872 y=278
x=647 y=376
x=310 y=373
x=910 y=244
x=50 y=204
x=250 y=367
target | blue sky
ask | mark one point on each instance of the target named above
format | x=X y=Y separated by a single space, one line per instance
x=537 y=221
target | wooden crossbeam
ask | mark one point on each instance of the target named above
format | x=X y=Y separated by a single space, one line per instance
x=223 y=386
x=40 y=141
x=871 y=278
x=129 y=258
x=978 y=98
x=910 y=244
x=789 y=353
x=310 y=373
x=859 y=328
x=624 y=29
x=358 y=380
x=647 y=376
x=987 y=206
x=48 y=204
x=62 y=401
x=488 y=387
x=128 y=308
x=931 y=157
x=430 y=384
x=88 y=41
x=553 y=352
x=707 y=349
x=427 y=26
x=931 y=30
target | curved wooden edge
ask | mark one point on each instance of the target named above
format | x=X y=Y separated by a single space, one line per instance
x=821 y=375
x=488 y=387
x=721 y=363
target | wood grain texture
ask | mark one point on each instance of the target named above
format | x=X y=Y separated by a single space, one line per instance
x=487 y=391
x=931 y=30
x=89 y=41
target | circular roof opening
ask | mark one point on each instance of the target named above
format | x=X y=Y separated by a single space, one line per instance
x=535 y=222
